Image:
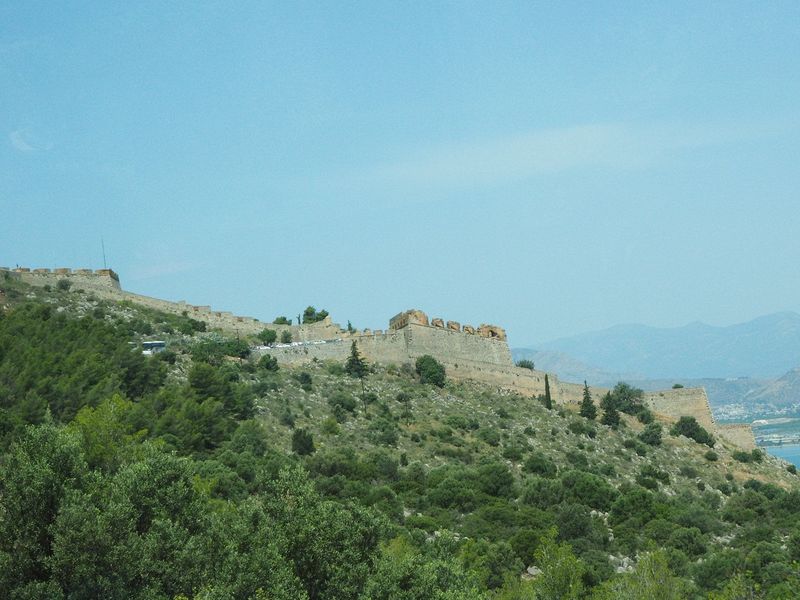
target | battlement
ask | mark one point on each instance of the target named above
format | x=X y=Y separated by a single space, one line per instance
x=413 y=317
x=86 y=278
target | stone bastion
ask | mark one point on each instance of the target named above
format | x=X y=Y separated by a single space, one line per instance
x=469 y=353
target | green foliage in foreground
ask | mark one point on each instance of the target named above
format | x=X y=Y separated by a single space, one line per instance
x=219 y=478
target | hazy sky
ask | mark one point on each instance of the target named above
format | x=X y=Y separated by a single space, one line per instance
x=550 y=167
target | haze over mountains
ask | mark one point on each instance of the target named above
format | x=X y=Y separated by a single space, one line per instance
x=766 y=347
x=753 y=364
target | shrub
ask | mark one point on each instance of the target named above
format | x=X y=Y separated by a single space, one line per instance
x=495 y=479
x=304 y=379
x=302 y=442
x=286 y=337
x=610 y=412
x=742 y=456
x=287 y=418
x=430 y=370
x=582 y=428
x=538 y=464
x=267 y=336
x=63 y=285
x=342 y=400
x=268 y=363
x=334 y=368
x=490 y=436
x=647 y=482
x=627 y=399
x=711 y=456
x=689 y=540
x=654 y=473
x=310 y=315
x=588 y=489
x=383 y=431
x=543 y=493
x=792 y=469
x=282 y=321
x=635 y=445
x=690 y=428
x=513 y=452
x=330 y=426
x=651 y=434
x=526 y=364
x=577 y=459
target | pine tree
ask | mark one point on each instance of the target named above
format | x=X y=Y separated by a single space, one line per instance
x=588 y=409
x=548 y=401
x=610 y=412
x=356 y=366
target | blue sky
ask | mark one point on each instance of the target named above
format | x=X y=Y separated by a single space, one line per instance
x=550 y=167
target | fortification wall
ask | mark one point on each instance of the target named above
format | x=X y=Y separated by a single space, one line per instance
x=676 y=403
x=738 y=434
x=384 y=347
x=104 y=283
x=455 y=346
x=87 y=279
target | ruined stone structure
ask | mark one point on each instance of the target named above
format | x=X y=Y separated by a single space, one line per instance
x=416 y=317
x=480 y=354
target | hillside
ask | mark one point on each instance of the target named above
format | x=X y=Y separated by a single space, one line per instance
x=205 y=472
x=765 y=347
x=783 y=391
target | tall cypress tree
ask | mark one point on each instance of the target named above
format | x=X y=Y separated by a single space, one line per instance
x=548 y=401
x=356 y=366
x=588 y=409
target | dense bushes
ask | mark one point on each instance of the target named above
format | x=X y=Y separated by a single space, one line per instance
x=430 y=370
x=690 y=428
x=175 y=489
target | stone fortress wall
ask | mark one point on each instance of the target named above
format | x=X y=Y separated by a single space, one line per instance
x=738 y=434
x=468 y=353
x=104 y=283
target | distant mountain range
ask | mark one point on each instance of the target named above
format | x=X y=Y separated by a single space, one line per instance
x=764 y=348
x=785 y=390
x=753 y=363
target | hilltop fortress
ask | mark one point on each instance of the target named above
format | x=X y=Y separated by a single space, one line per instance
x=468 y=353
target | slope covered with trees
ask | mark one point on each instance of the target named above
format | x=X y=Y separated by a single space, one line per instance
x=202 y=472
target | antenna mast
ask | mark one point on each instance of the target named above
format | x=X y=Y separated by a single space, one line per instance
x=103 y=245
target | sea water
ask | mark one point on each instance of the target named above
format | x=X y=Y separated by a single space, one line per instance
x=790 y=452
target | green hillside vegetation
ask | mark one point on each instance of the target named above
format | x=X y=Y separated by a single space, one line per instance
x=204 y=472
